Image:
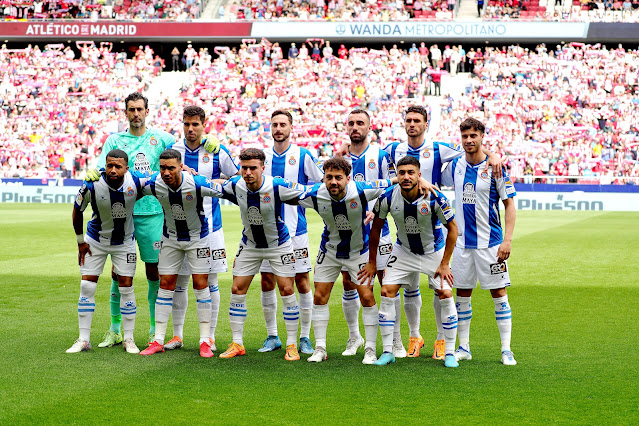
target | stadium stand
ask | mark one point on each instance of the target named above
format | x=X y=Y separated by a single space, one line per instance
x=568 y=111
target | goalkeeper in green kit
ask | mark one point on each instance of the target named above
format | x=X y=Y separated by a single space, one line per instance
x=143 y=146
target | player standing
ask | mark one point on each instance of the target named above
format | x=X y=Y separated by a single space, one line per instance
x=432 y=156
x=296 y=165
x=368 y=163
x=109 y=232
x=211 y=166
x=419 y=249
x=185 y=234
x=265 y=237
x=482 y=248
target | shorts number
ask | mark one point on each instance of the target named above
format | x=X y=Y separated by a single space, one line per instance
x=320 y=257
x=239 y=250
x=391 y=260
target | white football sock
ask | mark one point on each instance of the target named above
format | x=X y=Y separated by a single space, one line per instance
x=291 y=313
x=397 y=330
x=86 y=307
x=215 y=304
x=203 y=298
x=180 y=304
x=163 y=307
x=370 y=318
x=306 y=313
x=503 y=315
x=464 y=315
x=387 y=321
x=449 y=322
x=438 y=317
x=413 y=310
x=128 y=308
x=350 y=306
x=321 y=315
x=269 y=307
x=237 y=317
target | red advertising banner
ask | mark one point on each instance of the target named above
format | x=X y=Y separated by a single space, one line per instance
x=132 y=31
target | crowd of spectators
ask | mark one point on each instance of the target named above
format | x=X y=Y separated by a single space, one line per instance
x=568 y=111
x=561 y=10
x=337 y=10
x=177 y=10
x=57 y=109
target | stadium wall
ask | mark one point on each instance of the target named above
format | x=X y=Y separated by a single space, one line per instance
x=529 y=196
x=466 y=31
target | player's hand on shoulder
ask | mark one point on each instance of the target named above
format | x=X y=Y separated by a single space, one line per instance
x=425 y=187
x=498 y=164
x=190 y=170
x=211 y=144
x=92 y=175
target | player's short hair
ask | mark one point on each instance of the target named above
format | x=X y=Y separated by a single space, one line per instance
x=118 y=153
x=136 y=96
x=169 y=154
x=472 y=123
x=337 y=163
x=252 y=154
x=194 y=111
x=418 y=109
x=408 y=160
x=282 y=112
x=360 y=111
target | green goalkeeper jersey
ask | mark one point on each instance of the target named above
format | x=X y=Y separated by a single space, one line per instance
x=144 y=157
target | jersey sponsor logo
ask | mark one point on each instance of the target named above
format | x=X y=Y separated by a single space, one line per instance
x=288 y=259
x=177 y=212
x=498 y=268
x=218 y=254
x=372 y=164
x=358 y=177
x=254 y=216
x=353 y=204
x=469 y=196
x=267 y=198
x=301 y=253
x=385 y=249
x=131 y=257
x=424 y=209
x=189 y=196
x=426 y=153
x=157 y=245
x=484 y=174
x=141 y=163
x=292 y=161
x=410 y=225
x=153 y=141
x=342 y=223
x=118 y=211
x=129 y=191
x=206 y=158
x=203 y=253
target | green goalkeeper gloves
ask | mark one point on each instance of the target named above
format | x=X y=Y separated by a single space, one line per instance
x=93 y=175
x=211 y=144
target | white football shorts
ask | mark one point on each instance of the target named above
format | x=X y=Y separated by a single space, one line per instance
x=218 y=255
x=472 y=265
x=383 y=252
x=302 y=256
x=328 y=267
x=248 y=260
x=173 y=254
x=123 y=257
x=404 y=267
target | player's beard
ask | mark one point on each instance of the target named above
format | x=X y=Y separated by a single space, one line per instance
x=115 y=182
x=281 y=137
x=358 y=140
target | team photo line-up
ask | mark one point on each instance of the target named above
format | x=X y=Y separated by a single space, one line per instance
x=168 y=192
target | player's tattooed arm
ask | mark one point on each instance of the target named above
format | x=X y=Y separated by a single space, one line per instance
x=503 y=252
x=366 y=275
x=78 y=225
x=443 y=270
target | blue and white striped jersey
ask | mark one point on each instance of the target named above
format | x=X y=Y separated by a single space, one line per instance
x=419 y=223
x=210 y=166
x=431 y=156
x=344 y=232
x=262 y=210
x=477 y=196
x=298 y=166
x=184 y=216
x=112 y=220
x=373 y=164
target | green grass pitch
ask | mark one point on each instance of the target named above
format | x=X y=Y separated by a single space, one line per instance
x=575 y=336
